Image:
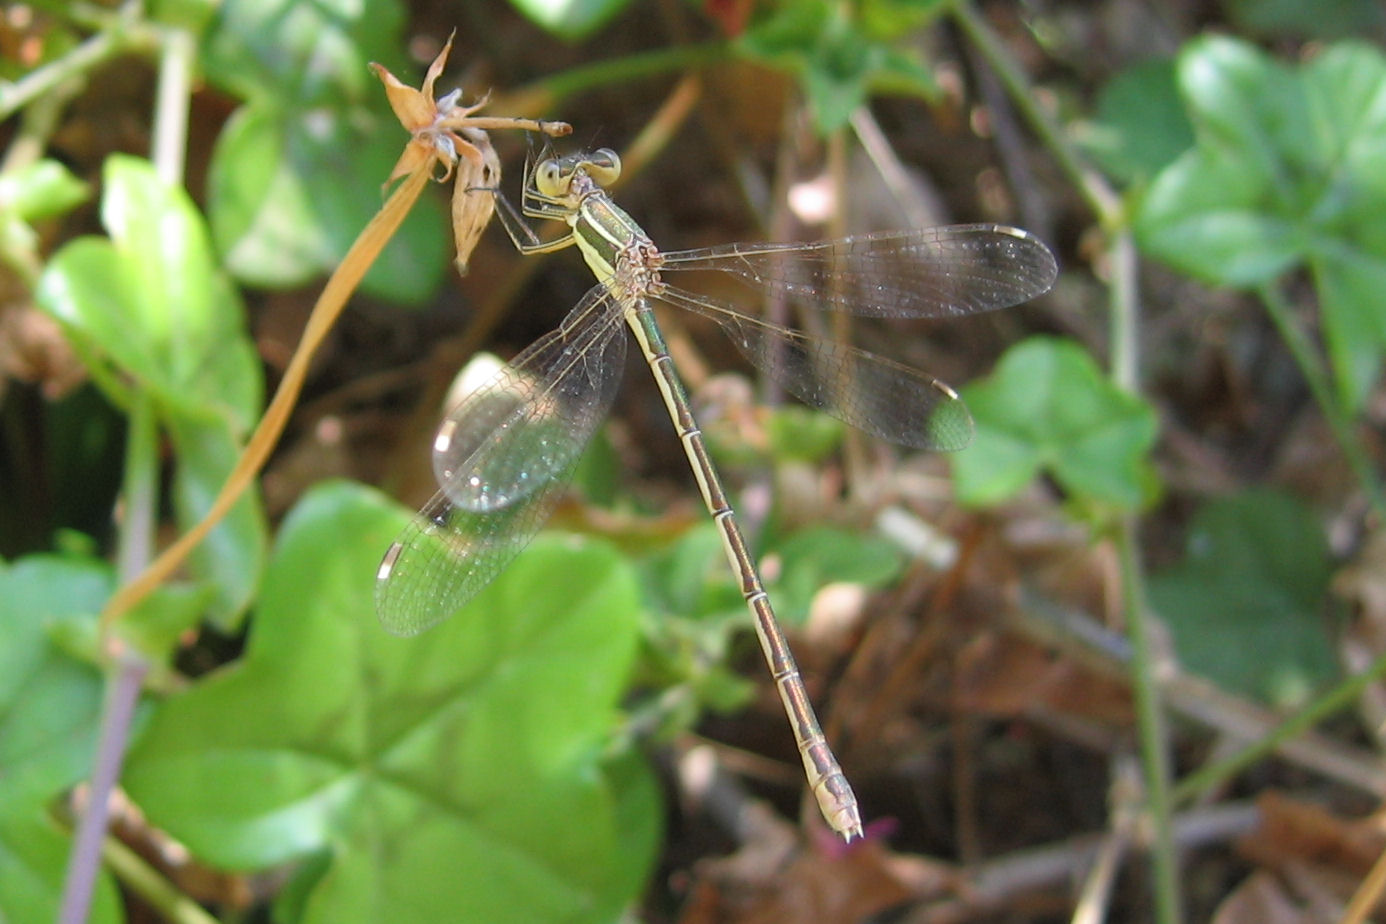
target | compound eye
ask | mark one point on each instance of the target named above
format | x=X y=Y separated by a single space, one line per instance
x=603 y=166
x=550 y=179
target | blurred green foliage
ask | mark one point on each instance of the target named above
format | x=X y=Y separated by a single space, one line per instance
x=1247 y=606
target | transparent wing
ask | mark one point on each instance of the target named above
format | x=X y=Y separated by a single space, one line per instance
x=921 y=273
x=874 y=394
x=508 y=451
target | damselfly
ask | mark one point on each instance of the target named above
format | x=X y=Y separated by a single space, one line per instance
x=503 y=456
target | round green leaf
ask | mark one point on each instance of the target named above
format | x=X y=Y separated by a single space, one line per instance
x=43 y=189
x=300 y=54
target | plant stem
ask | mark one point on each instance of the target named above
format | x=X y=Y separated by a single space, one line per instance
x=1124 y=335
x=146 y=882
x=1100 y=197
x=171 y=108
x=118 y=710
x=140 y=496
x=1321 y=388
x=1150 y=725
x=139 y=488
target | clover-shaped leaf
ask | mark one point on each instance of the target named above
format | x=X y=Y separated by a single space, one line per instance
x=466 y=774
x=1245 y=606
x=1048 y=408
x=1285 y=172
x=317 y=52
x=1140 y=126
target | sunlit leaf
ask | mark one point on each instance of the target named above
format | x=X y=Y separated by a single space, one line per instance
x=49 y=704
x=149 y=306
x=460 y=775
x=40 y=190
x=570 y=19
x=303 y=55
x=289 y=191
x=150 y=303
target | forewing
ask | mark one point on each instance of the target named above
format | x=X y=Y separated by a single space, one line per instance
x=920 y=273
x=526 y=430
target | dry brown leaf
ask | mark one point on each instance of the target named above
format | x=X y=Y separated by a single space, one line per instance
x=829 y=885
x=1263 y=899
x=1004 y=675
x=1297 y=831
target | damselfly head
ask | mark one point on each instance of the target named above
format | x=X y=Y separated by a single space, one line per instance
x=553 y=178
x=602 y=165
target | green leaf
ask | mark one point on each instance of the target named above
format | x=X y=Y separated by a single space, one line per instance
x=571 y=20
x=1285 y=173
x=49 y=706
x=812 y=558
x=689 y=579
x=462 y=775
x=802 y=434
x=1049 y=408
x=156 y=625
x=838 y=62
x=43 y=189
x=895 y=19
x=1323 y=19
x=302 y=55
x=149 y=304
x=232 y=556
x=1246 y=605
x=290 y=190
x=1140 y=125
x=195 y=16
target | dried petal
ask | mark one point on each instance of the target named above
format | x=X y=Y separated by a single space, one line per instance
x=473 y=195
